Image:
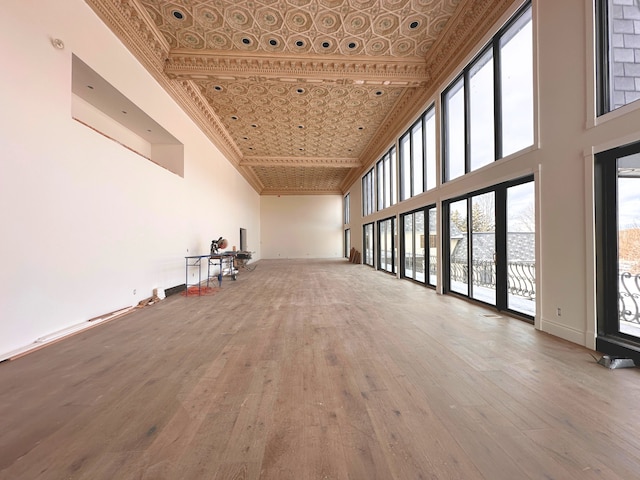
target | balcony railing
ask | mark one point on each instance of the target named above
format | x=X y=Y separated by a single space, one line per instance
x=521 y=276
x=629 y=297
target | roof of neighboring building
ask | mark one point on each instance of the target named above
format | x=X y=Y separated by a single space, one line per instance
x=520 y=247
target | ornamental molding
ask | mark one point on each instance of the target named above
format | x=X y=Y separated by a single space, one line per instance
x=255 y=161
x=135 y=29
x=466 y=29
x=276 y=191
x=471 y=22
x=339 y=69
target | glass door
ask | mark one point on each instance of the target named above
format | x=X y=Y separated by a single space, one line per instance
x=386 y=245
x=629 y=245
x=490 y=246
x=415 y=250
x=368 y=244
x=521 y=265
x=483 y=247
x=347 y=243
x=458 y=247
x=617 y=214
x=431 y=249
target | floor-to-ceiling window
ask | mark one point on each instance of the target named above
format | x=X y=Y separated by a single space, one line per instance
x=617 y=195
x=490 y=246
x=386 y=245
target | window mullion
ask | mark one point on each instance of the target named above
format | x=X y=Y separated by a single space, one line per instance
x=497 y=99
x=467 y=121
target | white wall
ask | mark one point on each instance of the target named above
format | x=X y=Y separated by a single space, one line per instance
x=296 y=226
x=561 y=160
x=84 y=220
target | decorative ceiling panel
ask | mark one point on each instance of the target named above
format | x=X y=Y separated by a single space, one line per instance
x=297 y=179
x=348 y=27
x=302 y=96
x=299 y=119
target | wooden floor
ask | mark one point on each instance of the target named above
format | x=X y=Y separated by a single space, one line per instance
x=317 y=370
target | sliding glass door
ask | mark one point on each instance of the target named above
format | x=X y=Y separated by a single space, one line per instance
x=521 y=265
x=490 y=246
x=418 y=246
x=367 y=247
x=617 y=195
x=386 y=245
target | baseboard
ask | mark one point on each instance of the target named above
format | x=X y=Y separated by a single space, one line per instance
x=55 y=337
x=173 y=290
x=567 y=333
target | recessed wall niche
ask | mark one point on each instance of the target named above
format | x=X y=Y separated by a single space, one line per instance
x=101 y=107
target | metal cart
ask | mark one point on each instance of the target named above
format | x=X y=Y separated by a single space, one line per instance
x=241 y=261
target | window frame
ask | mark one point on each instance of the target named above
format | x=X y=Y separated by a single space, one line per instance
x=379 y=223
x=501 y=207
x=385 y=169
x=347 y=209
x=407 y=168
x=365 y=258
x=494 y=45
x=368 y=193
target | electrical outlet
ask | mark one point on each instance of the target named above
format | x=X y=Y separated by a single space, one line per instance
x=134 y=291
x=559 y=312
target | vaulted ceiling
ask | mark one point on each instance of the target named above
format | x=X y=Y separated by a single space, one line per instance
x=300 y=95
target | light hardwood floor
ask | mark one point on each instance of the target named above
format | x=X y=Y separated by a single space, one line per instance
x=316 y=370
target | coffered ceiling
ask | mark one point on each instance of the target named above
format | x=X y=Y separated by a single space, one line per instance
x=300 y=95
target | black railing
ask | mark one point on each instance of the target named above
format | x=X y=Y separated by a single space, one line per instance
x=521 y=276
x=629 y=297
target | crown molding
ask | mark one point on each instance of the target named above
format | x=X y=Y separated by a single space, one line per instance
x=137 y=32
x=258 y=161
x=471 y=22
x=339 y=69
x=276 y=191
x=252 y=178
